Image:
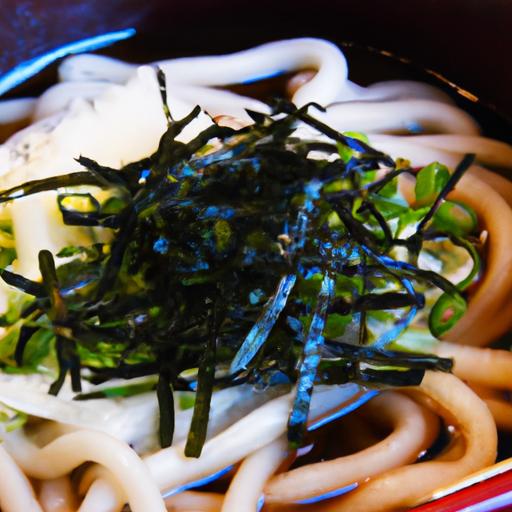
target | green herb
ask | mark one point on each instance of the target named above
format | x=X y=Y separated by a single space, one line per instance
x=120 y=391
x=456 y=218
x=238 y=258
x=429 y=183
x=445 y=313
x=11 y=419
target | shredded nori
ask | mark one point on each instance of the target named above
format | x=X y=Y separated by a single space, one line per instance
x=242 y=256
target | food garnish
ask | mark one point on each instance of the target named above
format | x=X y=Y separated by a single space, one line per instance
x=243 y=256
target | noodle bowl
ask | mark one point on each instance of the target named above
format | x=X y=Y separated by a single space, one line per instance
x=110 y=111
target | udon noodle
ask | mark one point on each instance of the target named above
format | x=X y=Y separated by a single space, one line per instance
x=77 y=456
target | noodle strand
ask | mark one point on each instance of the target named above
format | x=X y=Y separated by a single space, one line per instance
x=71 y=450
x=406 y=486
x=413 y=430
x=16 y=493
x=246 y=489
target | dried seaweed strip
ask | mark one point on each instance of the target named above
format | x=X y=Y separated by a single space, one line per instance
x=285 y=239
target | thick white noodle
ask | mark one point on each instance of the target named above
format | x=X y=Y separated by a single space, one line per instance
x=194 y=501
x=418 y=154
x=259 y=62
x=60 y=96
x=57 y=495
x=12 y=111
x=487 y=367
x=218 y=102
x=101 y=497
x=245 y=491
x=95 y=68
x=102 y=492
x=132 y=420
x=488 y=151
x=170 y=469
x=248 y=65
x=16 y=493
x=69 y=451
x=411 y=485
x=407 y=116
x=392 y=90
x=404 y=89
x=412 y=429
